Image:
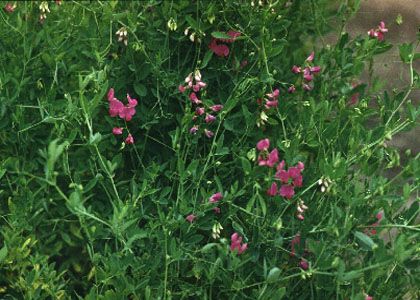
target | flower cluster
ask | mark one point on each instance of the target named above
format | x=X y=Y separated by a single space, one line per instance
x=125 y=112
x=325 y=184
x=216 y=229
x=43 y=7
x=270 y=102
x=379 y=216
x=307 y=73
x=236 y=243
x=290 y=179
x=217 y=47
x=122 y=35
x=378 y=33
x=300 y=208
x=9 y=7
x=194 y=82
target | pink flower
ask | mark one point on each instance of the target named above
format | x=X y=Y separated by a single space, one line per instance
x=367 y=297
x=307 y=74
x=295 y=240
x=307 y=87
x=291 y=89
x=210 y=118
x=208 y=133
x=381 y=27
x=280 y=166
x=181 y=88
x=272 y=191
x=216 y=197
x=287 y=191
x=311 y=57
x=196 y=88
x=274 y=94
x=117 y=130
x=236 y=244
x=263 y=144
x=216 y=210
x=129 y=110
x=220 y=50
x=194 y=129
x=190 y=218
x=315 y=69
x=379 y=215
x=296 y=69
x=301 y=166
x=199 y=111
x=270 y=104
x=194 y=99
x=304 y=265
x=378 y=33
x=110 y=94
x=216 y=108
x=9 y=7
x=232 y=34
x=300 y=217
x=115 y=107
x=282 y=175
x=129 y=140
x=273 y=158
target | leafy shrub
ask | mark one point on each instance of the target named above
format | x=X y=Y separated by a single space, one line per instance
x=165 y=195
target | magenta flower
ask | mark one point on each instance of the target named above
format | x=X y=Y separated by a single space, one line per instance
x=263 y=144
x=129 y=140
x=181 y=88
x=218 y=49
x=274 y=95
x=311 y=57
x=271 y=104
x=315 y=69
x=190 y=218
x=9 y=7
x=304 y=265
x=291 y=89
x=307 y=87
x=216 y=108
x=287 y=191
x=117 y=130
x=273 y=158
x=272 y=191
x=236 y=244
x=208 y=133
x=194 y=99
x=283 y=176
x=194 y=129
x=199 y=111
x=367 y=297
x=216 y=197
x=216 y=210
x=378 y=33
x=296 y=69
x=295 y=240
x=210 y=118
x=116 y=107
x=301 y=166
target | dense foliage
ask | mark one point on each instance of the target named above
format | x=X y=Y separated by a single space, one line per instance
x=166 y=195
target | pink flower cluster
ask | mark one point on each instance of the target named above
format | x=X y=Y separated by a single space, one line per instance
x=378 y=33
x=290 y=179
x=379 y=216
x=307 y=73
x=194 y=82
x=236 y=243
x=222 y=49
x=125 y=112
x=272 y=100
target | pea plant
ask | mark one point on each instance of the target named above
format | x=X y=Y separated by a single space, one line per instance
x=203 y=150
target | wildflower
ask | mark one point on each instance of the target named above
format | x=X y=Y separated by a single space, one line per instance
x=115 y=107
x=216 y=197
x=262 y=119
x=307 y=87
x=128 y=110
x=208 y=133
x=272 y=191
x=311 y=57
x=367 y=297
x=217 y=228
x=216 y=108
x=117 y=130
x=194 y=129
x=210 y=118
x=263 y=144
x=194 y=99
x=273 y=158
x=274 y=94
x=9 y=7
x=325 y=184
x=271 y=104
x=236 y=244
x=221 y=49
x=303 y=264
x=181 y=88
x=378 y=33
x=122 y=35
x=296 y=69
x=291 y=89
x=216 y=210
x=190 y=218
x=287 y=191
x=199 y=111
x=301 y=208
x=172 y=24
x=43 y=7
x=295 y=240
x=129 y=140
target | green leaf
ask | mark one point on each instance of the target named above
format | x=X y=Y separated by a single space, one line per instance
x=273 y=275
x=206 y=59
x=406 y=52
x=140 y=89
x=3 y=253
x=365 y=241
x=220 y=35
